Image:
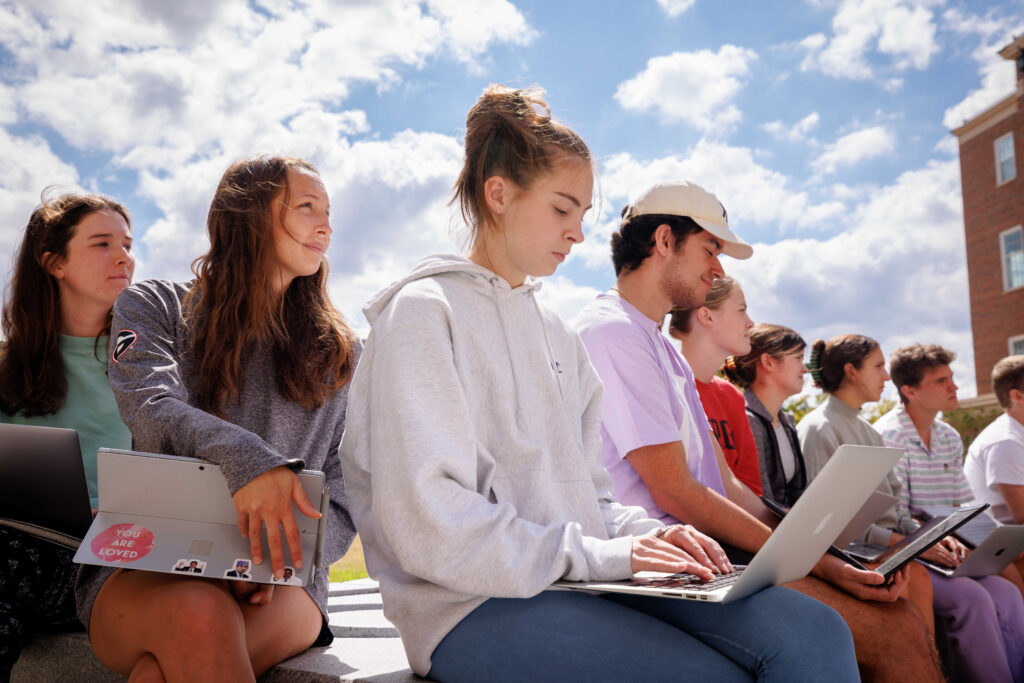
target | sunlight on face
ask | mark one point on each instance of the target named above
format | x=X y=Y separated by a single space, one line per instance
x=301 y=228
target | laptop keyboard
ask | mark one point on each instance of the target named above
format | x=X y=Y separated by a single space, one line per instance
x=691 y=582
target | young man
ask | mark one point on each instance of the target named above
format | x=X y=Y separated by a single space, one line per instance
x=931 y=471
x=995 y=460
x=657 y=442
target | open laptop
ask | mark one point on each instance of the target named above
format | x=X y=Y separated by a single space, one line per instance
x=990 y=557
x=175 y=515
x=42 y=483
x=874 y=508
x=971 y=534
x=796 y=545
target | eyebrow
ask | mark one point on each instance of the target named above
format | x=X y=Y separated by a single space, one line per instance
x=105 y=235
x=714 y=241
x=571 y=198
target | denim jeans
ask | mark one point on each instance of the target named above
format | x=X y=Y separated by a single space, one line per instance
x=774 y=635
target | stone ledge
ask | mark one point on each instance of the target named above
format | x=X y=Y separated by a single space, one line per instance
x=366 y=647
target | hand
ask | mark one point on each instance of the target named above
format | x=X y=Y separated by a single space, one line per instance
x=257 y=593
x=948 y=552
x=267 y=500
x=865 y=585
x=679 y=548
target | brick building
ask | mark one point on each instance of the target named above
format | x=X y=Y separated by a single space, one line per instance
x=992 y=177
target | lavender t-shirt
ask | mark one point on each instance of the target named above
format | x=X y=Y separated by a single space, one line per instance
x=650 y=398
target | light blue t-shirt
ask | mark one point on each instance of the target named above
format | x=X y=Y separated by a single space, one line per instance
x=90 y=408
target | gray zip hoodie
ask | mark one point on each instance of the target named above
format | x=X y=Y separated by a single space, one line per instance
x=472 y=452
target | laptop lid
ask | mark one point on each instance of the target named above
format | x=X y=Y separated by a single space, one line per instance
x=42 y=479
x=872 y=510
x=991 y=556
x=822 y=512
x=926 y=536
x=174 y=514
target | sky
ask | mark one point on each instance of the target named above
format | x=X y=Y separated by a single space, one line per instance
x=823 y=126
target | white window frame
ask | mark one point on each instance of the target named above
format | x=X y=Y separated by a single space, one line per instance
x=1018 y=339
x=1013 y=155
x=1002 y=256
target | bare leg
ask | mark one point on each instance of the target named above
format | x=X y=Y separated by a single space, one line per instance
x=919 y=592
x=891 y=640
x=286 y=626
x=151 y=625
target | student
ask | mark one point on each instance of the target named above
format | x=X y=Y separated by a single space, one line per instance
x=472 y=459
x=74 y=259
x=657 y=443
x=772 y=371
x=985 y=615
x=709 y=334
x=931 y=470
x=995 y=460
x=247 y=366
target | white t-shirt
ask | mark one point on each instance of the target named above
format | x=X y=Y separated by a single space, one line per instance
x=996 y=457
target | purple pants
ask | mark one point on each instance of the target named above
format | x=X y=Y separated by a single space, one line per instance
x=986 y=625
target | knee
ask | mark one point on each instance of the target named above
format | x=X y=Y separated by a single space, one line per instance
x=814 y=618
x=200 y=614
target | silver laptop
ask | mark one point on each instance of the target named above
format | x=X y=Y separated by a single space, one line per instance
x=871 y=511
x=175 y=515
x=990 y=557
x=796 y=545
x=42 y=483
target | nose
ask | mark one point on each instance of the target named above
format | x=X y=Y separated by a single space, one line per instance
x=576 y=234
x=717 y=272
x=123 y=255
x=324 y=227
x=885 y=376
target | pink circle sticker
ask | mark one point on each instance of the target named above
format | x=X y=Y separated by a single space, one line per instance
x=123 y=543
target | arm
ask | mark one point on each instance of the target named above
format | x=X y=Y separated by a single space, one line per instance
x=665 y=473
x=738 y=492
x=153 y=399
x=1013 y=494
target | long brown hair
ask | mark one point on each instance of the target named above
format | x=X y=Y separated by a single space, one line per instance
x=510 y=133
x=232 y=306
x=775 y=340
x=32 y=380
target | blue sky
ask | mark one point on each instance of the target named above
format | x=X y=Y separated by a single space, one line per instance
x=823 y=126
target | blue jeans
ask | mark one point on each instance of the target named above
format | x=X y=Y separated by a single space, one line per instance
x=774 y=635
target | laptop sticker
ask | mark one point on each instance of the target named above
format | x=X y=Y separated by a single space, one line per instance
x=122 y=543
x=239 y=570
x=190 y=566
x=289 y=577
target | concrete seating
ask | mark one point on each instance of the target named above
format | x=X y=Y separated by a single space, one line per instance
x=366 y=647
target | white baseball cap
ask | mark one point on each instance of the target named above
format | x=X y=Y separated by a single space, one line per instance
x=683 y=198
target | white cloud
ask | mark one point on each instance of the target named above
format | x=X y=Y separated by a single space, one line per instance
x=798 y=132
x=896 y=272
x=564 y=296
x=902 y=29
x=27 y=166
x=947 y=145
x=866 y=143
x=998 y=75
x=893 y=85
x=695 y=87
x=674 y=8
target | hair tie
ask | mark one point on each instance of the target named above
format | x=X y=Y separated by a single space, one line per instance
x=730 y=363
x=814 y=364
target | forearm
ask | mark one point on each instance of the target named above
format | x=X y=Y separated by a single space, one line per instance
x=737 y=492
x=716 y=516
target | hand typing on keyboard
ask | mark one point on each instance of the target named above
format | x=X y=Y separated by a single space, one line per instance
x=680 y=548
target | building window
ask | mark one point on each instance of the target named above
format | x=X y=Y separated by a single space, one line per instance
x=1011 y=249
x=1006 y=160
x=1017 y=345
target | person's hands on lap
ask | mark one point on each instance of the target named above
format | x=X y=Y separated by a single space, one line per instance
x=267 y=500
x=679 y=548
x=865 y=585
x=253 y=593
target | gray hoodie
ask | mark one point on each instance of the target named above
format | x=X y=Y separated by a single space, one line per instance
x=472 y=452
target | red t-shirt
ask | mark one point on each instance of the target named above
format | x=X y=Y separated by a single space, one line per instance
x=726 y=411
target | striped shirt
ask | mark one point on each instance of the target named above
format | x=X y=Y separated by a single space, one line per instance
x=930 y=476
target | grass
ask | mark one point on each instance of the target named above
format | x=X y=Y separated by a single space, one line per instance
x=351 y=566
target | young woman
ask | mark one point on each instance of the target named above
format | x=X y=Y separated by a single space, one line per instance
x=472 y=458
x=769 y=373
x=986 y=615
x=247 y=366
x=74 y=259
x=709 y=334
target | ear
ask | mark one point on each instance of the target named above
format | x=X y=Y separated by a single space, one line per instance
x=498 y=193
x=52 y=265
x=768 y=362
x=908 y=392
x=664 y=240
x=704 y=315
x=850 y=371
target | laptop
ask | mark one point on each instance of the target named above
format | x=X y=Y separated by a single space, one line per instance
x=892 y=558
x=796 y=545
x=990 y=557
x=971 y=534
x=175 y=515
x=42 y=483
x=874 y=508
